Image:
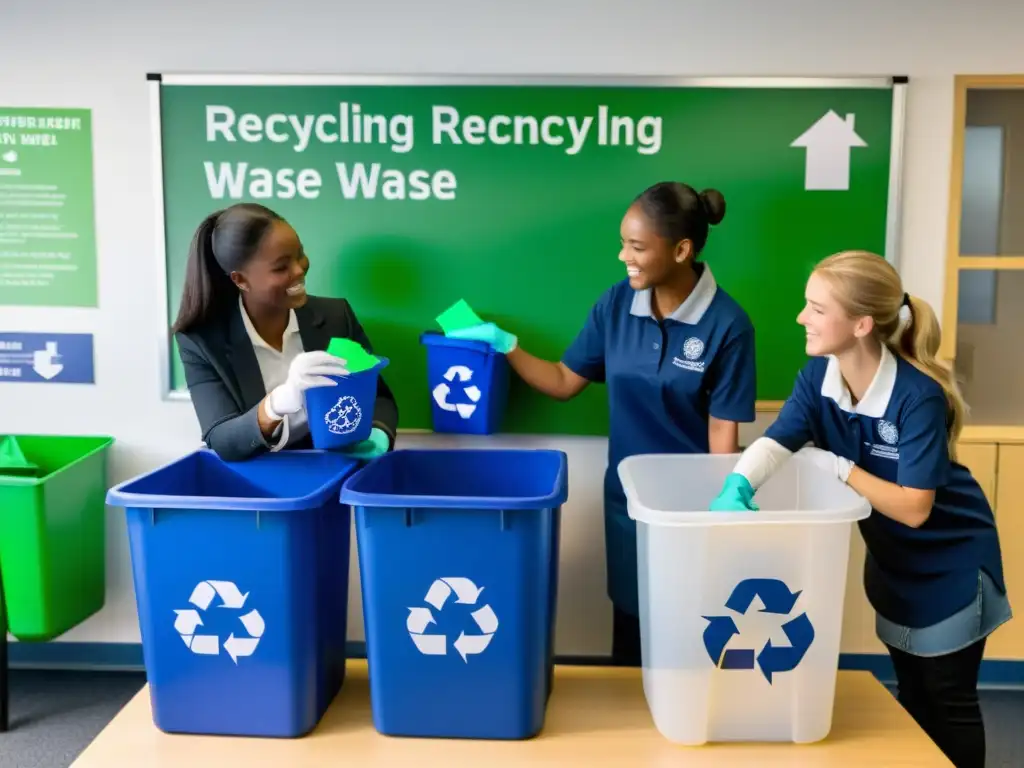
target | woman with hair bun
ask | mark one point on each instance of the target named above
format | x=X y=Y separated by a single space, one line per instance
x=677 y=354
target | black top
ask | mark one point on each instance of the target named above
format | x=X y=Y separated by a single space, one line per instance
x=226 y=386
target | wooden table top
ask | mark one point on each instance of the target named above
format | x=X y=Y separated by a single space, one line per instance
x=596 y=716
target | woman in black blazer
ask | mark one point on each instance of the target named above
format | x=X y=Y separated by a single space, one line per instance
x=252 y=341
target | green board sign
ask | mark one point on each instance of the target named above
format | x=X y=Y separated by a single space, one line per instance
x=47 y=224
x=411 y=194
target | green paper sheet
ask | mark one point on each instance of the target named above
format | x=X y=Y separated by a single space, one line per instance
x=458 y=316
x=356 y=358
x=12 y=458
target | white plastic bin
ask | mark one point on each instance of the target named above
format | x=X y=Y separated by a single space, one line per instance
x=703 y=574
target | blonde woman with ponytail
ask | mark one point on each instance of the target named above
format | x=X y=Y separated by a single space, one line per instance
x=876 y=408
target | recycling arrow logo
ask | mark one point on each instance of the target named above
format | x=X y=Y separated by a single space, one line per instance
x=344 y=417
x=189 y=620
x=466 y=593
x=443 y=391
x=772 y=659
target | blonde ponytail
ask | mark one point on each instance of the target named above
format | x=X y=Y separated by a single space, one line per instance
x=918 y=343
x=866 y=285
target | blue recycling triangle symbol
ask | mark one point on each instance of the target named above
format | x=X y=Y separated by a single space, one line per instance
x=772 y=659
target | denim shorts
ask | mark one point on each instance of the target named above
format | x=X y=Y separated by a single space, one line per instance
x=986 y=613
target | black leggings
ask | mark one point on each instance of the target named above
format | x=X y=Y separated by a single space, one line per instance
x=941 y=694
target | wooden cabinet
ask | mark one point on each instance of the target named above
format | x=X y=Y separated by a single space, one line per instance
x=981 y=459
x=1007 y=642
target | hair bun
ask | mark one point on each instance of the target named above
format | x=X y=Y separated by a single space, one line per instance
x=714 y=205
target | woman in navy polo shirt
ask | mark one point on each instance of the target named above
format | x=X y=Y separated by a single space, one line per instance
x=677 y=354
x=883 y=415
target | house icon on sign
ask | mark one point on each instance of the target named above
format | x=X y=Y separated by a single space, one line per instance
x=828 y=144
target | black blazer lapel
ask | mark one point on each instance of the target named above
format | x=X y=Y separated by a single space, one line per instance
x=243 y=362
x=312 y=329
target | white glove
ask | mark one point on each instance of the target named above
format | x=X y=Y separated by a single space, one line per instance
x=310 y=369
x=827 y=461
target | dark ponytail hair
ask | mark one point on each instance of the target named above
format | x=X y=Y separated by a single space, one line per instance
x=678 y=212
x=224 y=242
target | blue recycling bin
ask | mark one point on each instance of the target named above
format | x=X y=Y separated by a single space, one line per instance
x=241 y=583
x=468 y=384
x=459 y=635
x=343 y=414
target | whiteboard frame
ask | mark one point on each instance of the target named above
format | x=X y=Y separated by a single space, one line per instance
x=156 y=81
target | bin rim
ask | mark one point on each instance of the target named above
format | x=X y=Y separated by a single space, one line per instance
x=105 y=441
x=438 y=339
x=665 y=518
x=556 y=498
x=118 y=497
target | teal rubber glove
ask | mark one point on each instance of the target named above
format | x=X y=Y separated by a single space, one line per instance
x=374 y=446
x=500 y=341
x=736 y=496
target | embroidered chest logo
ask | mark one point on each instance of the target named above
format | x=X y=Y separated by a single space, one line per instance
x=890 y=437
x=693 y=351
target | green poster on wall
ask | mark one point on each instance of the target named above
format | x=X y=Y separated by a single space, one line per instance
x=47 y=224
x=412 y=193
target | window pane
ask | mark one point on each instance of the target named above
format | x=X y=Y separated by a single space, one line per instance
x=993 y=174
x=990 y=355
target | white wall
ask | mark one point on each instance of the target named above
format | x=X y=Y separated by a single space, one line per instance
x=67 y=53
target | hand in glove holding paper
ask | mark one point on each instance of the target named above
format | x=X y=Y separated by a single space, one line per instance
x=310 y=369
x=501 y=341
x=459 y=321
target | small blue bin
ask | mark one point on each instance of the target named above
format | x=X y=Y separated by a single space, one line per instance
x=241 y=582
x=343 y=415
x=468 y=384
x=459 y=562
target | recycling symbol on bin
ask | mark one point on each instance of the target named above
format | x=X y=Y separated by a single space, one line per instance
x=344 y=417
x=772 y=659
x=466 y=593
x=442 y=392
x=189 y=620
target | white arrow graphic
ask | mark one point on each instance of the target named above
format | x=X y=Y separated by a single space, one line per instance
x=469 y=645
x=430 y=645
x=486 y=619
x=419 y=619
x=253 y=623
x=240 y=646
x=202 y=595
x=229 y=594
x=828 y=143
x=44 y=361
x=441 y=392
x=438 y=594
x=206 y=645
x=465 y=589
x=187 y=622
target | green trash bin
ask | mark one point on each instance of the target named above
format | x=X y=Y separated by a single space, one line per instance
x=52 y=512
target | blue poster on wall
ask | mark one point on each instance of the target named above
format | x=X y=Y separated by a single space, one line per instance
x=54 y=358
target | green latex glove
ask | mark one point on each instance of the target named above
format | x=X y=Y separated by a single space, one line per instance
x=374 y=446
x=500 y=341
x=736 y=496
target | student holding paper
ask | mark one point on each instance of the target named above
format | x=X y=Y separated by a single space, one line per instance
x=676 y=352
x=252 y=341
x=884 y=415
